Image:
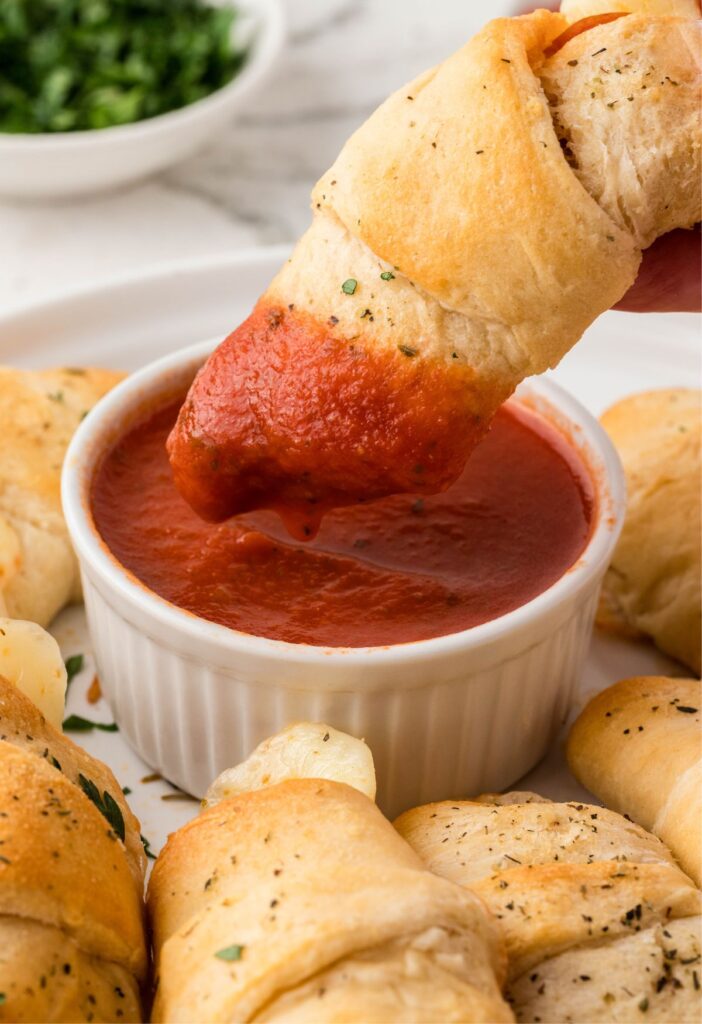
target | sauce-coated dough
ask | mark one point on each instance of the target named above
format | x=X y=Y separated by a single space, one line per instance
x=464 y=239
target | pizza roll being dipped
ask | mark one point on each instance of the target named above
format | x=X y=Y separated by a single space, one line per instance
x=291 y=898
x=466 y=236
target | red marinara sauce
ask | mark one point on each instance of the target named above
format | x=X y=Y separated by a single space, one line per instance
x=284 y=415
x=399 y=569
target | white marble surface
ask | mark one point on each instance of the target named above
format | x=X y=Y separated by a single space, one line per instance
x=251 y=186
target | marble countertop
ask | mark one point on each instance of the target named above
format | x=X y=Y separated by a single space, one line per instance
x=251 y=187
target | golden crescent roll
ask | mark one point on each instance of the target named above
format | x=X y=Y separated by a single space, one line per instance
x=574 y=10
x=638 y=747
x=299 y=902
x=600 y=924
x=39 y=413
x=653 y=586
x=23 y=726
x=464 y=239
x=72 y=944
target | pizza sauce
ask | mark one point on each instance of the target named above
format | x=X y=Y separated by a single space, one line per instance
x=284 y=415
x=399 y=569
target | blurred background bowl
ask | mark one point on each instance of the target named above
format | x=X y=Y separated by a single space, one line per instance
x=62 y=164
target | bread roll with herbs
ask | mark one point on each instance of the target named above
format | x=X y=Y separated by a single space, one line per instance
x=299 y=902
x=464 y=239
x=599 y=922
x=72 y=944
x=638 y=747
x=653 y=586
x=39 y=413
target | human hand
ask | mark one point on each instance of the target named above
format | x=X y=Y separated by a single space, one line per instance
x=670 y=276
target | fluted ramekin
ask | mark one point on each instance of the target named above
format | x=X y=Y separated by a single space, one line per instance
x=449 y=716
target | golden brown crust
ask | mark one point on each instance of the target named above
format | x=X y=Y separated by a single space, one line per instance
x=574 y=10
x=62 y=863
x=72 y=943
x=301 y=877
x=543 y=918
x=469 y=240
x=465 y=841
x=660 y=964
x=607 y=91
x=638 y=747
x=39 y=412
x=567 y=881
x=549 y=260
x=386 y=983
x=24 y=727
x=46 y=976
x=653 y=586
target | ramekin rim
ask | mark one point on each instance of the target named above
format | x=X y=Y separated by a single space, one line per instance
x=93 y=554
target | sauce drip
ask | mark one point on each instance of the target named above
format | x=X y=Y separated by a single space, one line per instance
x=285 y=415
x=399 y=569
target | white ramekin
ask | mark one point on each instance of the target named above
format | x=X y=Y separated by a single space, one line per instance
x=445 y=717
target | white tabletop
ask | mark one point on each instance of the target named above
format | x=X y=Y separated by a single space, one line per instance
x=251 y=186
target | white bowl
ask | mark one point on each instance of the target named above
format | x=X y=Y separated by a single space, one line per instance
x=60 y=164
x=449 y=716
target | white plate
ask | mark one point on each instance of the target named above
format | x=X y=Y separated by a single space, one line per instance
x=132 y=320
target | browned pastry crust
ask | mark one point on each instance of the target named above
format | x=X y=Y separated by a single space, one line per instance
x=319 y=912
x=599 y=922
x=638 y=747
x=39 y=413
x=483 y=217
x=72 y=944
x=653 y=586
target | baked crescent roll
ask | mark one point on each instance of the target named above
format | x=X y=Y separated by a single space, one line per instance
x=638 y=747
x=299 y=902
x=72 y=944
x=39 y=412
x=574 y=10
x=599 y=922
x=654 y=585
x=464 y=239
